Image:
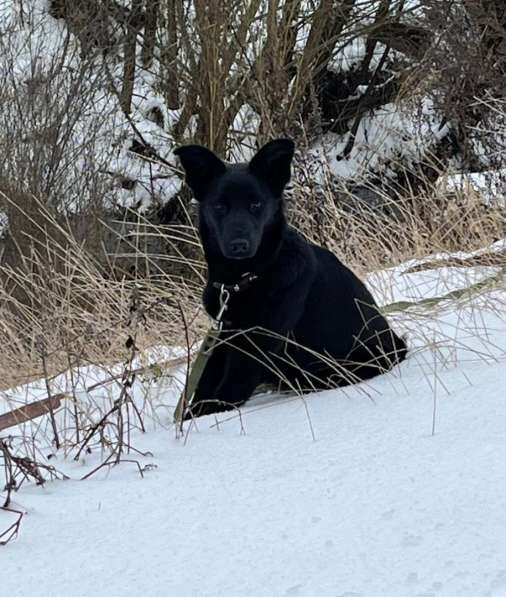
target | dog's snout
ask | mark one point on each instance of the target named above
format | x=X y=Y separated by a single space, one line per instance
x=239 y=246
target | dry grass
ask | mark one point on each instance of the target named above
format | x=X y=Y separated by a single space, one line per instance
x=389 y=228
x=64 y=305
x=67 y=305
x=68 y=309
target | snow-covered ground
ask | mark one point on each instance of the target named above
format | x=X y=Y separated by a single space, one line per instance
x=392 y=488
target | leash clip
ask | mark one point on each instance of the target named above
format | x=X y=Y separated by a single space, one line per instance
x=224 y=298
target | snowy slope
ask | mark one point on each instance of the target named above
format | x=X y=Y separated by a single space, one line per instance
x=392 y=488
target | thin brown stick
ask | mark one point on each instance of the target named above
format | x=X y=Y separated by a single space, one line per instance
x=30 y=411
x=12 y=531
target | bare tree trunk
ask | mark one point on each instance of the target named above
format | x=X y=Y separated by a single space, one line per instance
x=210 y=25
x=130 y=48
x=169 y=55
x=88 y=20
x=152 y=12
x=327 y=24
x=273 y=64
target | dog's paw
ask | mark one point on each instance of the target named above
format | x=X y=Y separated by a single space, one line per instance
x=207 y=407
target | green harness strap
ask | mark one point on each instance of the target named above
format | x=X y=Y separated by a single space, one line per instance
x=489 y=283
x=197 y=370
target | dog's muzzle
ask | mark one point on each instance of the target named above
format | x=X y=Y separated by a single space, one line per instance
x=239 y=248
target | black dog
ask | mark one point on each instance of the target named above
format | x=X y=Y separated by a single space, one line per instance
x=295 y=313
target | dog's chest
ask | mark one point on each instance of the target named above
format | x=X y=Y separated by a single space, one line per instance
x=243 y=309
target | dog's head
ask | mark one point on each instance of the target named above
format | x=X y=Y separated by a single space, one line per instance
x=238 y=203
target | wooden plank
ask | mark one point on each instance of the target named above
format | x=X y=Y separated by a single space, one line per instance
x=30 y=411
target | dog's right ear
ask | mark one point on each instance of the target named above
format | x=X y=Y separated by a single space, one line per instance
x=201 y=166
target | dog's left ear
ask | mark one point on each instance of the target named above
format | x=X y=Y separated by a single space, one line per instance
x=272 y=164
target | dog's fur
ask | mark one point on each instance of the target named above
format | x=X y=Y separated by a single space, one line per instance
x=304 y=302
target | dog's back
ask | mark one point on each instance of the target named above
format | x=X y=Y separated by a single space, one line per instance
x=341 y=336
x=352 y=328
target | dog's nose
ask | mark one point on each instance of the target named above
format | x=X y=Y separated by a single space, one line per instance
x=239 y=246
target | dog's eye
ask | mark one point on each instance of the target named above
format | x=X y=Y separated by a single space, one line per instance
x=255 y=207
x=220 y=208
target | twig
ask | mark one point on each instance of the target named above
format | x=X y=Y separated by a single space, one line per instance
x=188 y=367
x=13 y=530
x=108 y=462
x=42 y=351
x=165 y=364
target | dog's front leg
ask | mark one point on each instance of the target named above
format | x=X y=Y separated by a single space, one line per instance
x=229 y=381
x=249 y=357
x=245 y=369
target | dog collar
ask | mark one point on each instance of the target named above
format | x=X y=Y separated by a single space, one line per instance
x=243 y=284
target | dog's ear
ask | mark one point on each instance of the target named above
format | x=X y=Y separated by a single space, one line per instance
x=272 y=164
x=201 y=166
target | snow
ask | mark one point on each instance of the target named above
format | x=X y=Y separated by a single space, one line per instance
x=395 y=487
x=393 y=132
x=406 y=283
x=489 y=185
x=4 y=222
x=96 y=134
x=100 y=139
x=351 y=55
